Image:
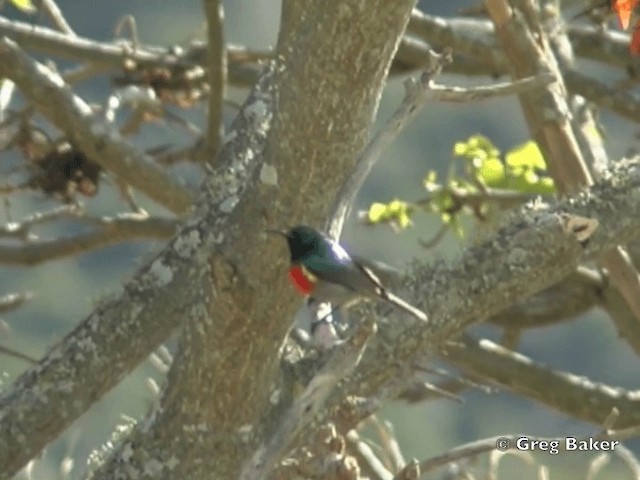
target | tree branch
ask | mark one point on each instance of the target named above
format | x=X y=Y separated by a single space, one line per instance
x=243 y=70
x=477 y=52
x=225 y=386
x=217 y=74
x=126 y=328
x=535 y=252
x=217 y=278
x=573 y=395
x=105 y=231
x=16 y=354
x=12 y=301
x=343 y=359
x=547 y=113
x=94 y=137
x=54 y=13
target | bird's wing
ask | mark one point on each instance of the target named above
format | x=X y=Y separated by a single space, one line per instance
x=383 y=271
x=390 y=297
x=339 y=268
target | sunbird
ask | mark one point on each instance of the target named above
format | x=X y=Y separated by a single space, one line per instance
x=324 y=271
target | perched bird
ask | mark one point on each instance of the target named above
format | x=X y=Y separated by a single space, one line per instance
x=323 y=270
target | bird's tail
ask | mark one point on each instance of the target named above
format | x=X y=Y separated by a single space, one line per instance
x=382 y=292
x=400 y=303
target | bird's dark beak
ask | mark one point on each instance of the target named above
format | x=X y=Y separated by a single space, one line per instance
x=277 y=232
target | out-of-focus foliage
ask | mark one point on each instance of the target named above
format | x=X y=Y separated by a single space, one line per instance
x=396 y=212
x=522 y=169
x=487 y=182
x=24 y=5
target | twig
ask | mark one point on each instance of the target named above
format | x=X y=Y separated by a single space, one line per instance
x=342 y=361
x=81 y=49
x=435 y=239
x=54 y=13
x=449 y=389
x=411 y=471
x=128 y=22
x=244 y=66
x=445 y=93
x=598 y=92
x=83 y=72
x=417 y=93
x=389 y=443
x=463 y=451
x=596 y=465
x=415 y=97
x=476 y=53
x=22 y=229
x=94 y=137
x=629 y=458
x=12 y=301
x=504 y=199
x=611 y=419
x=475 y=38
x=106 y=231
x=16 y=354
x=217 y=74
x=489 y=444
x=367 y=458
x=559 y=390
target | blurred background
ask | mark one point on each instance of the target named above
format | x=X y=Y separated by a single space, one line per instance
x=67 y=290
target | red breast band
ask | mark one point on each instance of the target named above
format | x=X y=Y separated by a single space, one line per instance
x=300 y=280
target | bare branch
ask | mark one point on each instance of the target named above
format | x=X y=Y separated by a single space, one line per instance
x=616 y=99
x=227 y=389
x=21 y=230
x=105 y=231
x=463 y=451
x=445 y=93
x=629 y=458
x=624 y=277
x=158 y=299
x=475 y=38
x=217 y=74
x=95 y=138
x=80 y=49
x=344 y=358
x=500 y=443
x=243 y=70
x=16 y=354
x=561 y=391
x=535 y=253
x=388 y=442
x=477 y=52
x=368 y=460
x=54 y=13
x=13 y=301
x=623 y=318
x=221 y=348
x=547 y=116
x=416 y=94
x=504 y=199
x=608 y=46
x=578 y=293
